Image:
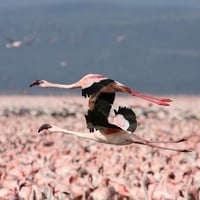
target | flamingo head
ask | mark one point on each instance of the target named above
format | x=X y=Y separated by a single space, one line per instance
x=44 y=127
x=41 y=83
x=49 y=127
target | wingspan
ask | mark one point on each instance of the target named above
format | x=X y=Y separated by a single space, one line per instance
x=125 y=118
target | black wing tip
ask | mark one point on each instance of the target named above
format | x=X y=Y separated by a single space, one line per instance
x=96 y=87
x=186 y=150
x=125 y=110
x=44 y=127
x=184 y=139
x=37 y=82
x=129 y=115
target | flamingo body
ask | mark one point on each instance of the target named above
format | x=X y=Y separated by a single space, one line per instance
x=94 y=84
x=121 y=138
x=13 y=44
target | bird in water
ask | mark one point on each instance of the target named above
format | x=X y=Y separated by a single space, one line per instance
x=118 y=132
x=92 y=85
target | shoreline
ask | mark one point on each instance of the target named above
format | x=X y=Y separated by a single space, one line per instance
x=32 y=99
x=73 y=103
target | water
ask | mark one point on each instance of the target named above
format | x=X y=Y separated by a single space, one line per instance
x=149 y=48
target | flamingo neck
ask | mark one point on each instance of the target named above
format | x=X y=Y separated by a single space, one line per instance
x=78 y=134
x=64 y=86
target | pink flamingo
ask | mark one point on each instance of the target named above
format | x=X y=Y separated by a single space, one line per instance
x=111 y=133
x=94 y=84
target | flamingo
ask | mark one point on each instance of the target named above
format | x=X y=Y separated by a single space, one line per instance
x=93 y=85
x=13 y=43
x=120 y=132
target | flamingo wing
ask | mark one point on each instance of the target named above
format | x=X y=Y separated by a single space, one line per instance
x=104 y=103
x=98 y=116
x=96 y=86
x=125 y=118
x=96 y=120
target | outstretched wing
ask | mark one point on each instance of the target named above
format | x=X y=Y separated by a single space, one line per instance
x=96 y=85
x=98 y=117
x=125 y=118
x=96 y=120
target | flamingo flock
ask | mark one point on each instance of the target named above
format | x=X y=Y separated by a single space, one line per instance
x=101 y=92
x=55 y=167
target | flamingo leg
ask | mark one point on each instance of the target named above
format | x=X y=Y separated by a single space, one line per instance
x=161 y=147
x=159 y=101
x=183 y=139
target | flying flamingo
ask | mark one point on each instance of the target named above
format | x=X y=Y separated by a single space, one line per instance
x=13 y=43
x=119 y=133
x=94 y=84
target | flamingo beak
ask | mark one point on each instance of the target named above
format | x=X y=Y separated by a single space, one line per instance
x=44 y=127
x=37 y=82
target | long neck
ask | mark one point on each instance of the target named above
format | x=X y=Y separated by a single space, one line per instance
x=78 y=134
x=64 y=86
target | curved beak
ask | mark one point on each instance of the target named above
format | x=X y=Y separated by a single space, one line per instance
x=37 y=82
x=44 y=127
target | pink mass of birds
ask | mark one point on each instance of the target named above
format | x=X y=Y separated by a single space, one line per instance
x=61 y=166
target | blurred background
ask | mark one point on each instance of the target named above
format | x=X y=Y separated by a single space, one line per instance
x=153 y=46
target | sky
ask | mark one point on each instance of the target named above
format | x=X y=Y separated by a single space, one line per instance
x=183 y=3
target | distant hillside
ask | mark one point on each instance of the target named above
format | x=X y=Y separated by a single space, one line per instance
x=150 y=48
